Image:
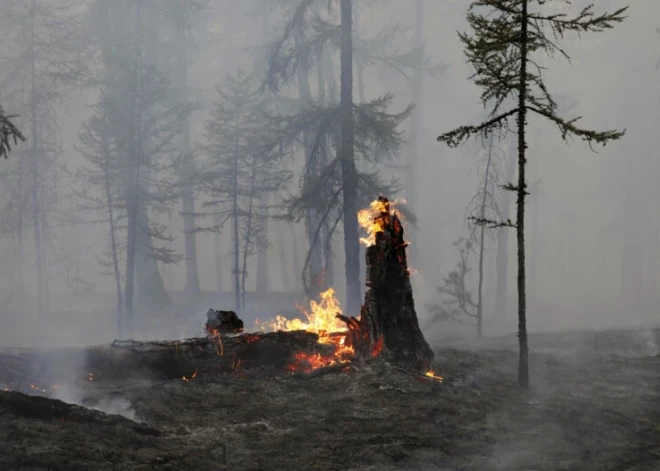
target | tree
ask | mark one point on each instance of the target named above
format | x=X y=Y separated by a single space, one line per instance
x=243 y=164
x=483 y=208
x=507 y=33
x=147 y=116
x=9 y=134
x=458 y=304
x=181 y=13
x=370 y=135
x=43 y=59
x=100 y=192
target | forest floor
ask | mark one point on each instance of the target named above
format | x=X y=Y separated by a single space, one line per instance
x=597 y=410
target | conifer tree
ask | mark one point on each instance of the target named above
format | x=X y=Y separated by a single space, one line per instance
x=506 y=36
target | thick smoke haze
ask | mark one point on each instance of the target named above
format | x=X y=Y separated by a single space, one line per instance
x=593 y=225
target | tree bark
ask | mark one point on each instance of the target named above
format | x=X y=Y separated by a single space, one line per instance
x=523 y=367
x=349 y=172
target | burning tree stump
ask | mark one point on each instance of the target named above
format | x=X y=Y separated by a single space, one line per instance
x=388 y=321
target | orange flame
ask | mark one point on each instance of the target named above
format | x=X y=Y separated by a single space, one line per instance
x=372 y=221
x=431 y=374
x=321 y=320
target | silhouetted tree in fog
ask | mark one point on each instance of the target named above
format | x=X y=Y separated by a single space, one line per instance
x=458 y=304
x=333 y=135
x=243 y=164
x=42 y=60
x=147 y=115
x=506 y=35
x=100 y=190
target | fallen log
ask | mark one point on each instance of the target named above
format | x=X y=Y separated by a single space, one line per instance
x=388 y=321
x=159 y=360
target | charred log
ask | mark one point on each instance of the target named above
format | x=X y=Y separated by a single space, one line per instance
x=223 y=322
x=388 y=320
x=38 y=371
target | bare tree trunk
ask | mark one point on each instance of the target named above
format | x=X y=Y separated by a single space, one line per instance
x=523 y=367
x=34 y=168
x=349 y=172
x=262 y=253
x=113 y=237
x=482 y=240
x=502 y=255
x=295 y=255
x=217 y=247
x=129 y=282
x=235 y=220
x=284 y=267
x=313 y=220
x=192 y=288
x=248 y=232
x=412 y=182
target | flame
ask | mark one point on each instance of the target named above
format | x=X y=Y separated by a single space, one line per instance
x=321 y=319
x=378 y=348
x=431 y=374
x=90 y=376
x=374 y=218
x=370 y=219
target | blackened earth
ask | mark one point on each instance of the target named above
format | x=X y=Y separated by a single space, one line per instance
x=590 y=409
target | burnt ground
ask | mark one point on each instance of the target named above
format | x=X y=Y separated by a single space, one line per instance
x=597 y=410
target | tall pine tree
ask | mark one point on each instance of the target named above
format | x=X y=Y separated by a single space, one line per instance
x=506 y=36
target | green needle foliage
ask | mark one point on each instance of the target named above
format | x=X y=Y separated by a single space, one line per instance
x=507 y=37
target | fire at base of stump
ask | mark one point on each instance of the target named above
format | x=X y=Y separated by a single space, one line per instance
x=388 y=320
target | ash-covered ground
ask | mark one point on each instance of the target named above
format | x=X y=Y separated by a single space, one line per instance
x=594 y=406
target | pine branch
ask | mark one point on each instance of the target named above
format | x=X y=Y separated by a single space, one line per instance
x=568 y=129
x=459 y=135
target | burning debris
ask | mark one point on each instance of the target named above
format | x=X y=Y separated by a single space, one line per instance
x=323 y=340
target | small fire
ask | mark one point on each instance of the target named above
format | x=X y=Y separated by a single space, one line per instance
x=431 y=374
x=186 y=379
x=90 y=376
x=321 y=320
x=374 y=218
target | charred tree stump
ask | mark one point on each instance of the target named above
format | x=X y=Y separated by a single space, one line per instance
x=388 y=320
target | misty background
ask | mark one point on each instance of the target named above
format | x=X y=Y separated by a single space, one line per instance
x=592 y=227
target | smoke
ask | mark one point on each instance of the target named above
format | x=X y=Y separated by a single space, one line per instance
x=72 y=394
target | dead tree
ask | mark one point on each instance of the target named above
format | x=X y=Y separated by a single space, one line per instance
x=388 y=322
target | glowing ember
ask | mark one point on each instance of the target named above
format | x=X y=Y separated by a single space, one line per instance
x=185 y=379
x=34 y=387
x=431 y=374
x=377 y=348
